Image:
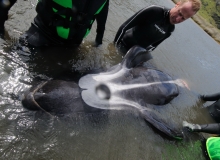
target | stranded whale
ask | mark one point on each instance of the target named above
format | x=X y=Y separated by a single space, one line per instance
x=129 y=86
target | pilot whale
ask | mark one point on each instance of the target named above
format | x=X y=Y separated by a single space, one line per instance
x=128 y=85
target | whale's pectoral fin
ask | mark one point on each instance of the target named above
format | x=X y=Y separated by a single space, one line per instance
x=161 y=125
x=135 y=56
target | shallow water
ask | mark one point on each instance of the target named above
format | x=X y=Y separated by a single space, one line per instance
x=189 y=54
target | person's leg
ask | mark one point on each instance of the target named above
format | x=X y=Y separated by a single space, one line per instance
x=214 y=110
x=127 y=42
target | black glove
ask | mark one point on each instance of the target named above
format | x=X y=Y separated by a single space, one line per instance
x=202 y=97
x=191 y=127
x=150 y=48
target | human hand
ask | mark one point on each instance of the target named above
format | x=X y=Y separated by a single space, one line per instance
x=150 y=48
x=191 y=127
x=202 y=97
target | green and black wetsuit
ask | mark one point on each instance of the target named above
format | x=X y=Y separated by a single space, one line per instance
x=67 y=22
x=147 y=28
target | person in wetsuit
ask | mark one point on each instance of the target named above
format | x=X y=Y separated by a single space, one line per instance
x=214 y=111
x=66 y=22
x=212 y=143
x=5 y=5
x=152 y=25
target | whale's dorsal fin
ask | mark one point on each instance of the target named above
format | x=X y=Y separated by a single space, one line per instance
x=135 y=56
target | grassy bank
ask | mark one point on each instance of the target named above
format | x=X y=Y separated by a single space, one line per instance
x=208 y=18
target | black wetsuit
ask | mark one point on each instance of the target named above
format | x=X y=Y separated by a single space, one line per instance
x=211 y=145
x=79 y=19
x=214 y=109
x=147 y=28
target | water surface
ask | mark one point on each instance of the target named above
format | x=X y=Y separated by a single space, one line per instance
x=189 y=54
